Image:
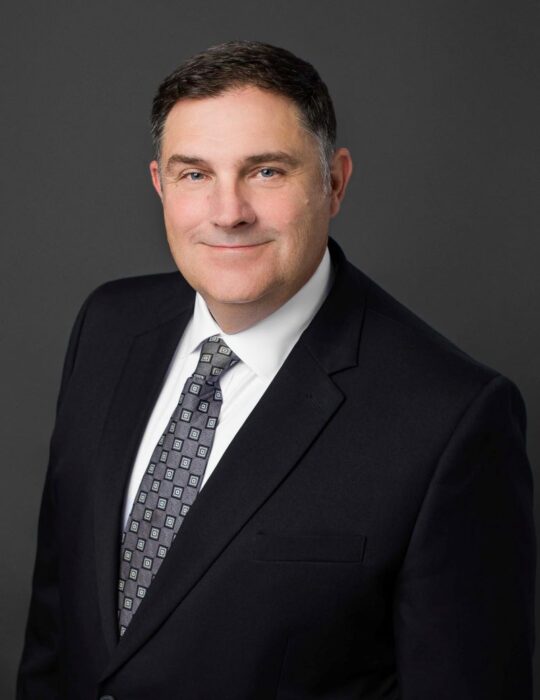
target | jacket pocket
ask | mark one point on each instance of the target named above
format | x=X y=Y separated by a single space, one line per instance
x=270 y=546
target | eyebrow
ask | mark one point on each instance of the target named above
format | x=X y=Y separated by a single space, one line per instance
x=274 y=157
x=256 y=159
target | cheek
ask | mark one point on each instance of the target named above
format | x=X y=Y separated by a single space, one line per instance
x=182 y=213
x=283 y=212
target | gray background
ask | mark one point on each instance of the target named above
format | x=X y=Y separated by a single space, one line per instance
x=438 y=102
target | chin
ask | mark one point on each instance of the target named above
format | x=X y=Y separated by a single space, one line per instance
x=234 y=289
x=233 y=295
x=232 y=298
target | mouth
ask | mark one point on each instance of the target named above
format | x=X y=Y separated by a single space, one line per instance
x=236 y=247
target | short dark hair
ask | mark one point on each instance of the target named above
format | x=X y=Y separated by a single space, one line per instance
x=238 y=63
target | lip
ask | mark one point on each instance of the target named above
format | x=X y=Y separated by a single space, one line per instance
x=236 y=247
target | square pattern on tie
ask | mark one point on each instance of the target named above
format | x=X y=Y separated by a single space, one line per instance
x=173 y=478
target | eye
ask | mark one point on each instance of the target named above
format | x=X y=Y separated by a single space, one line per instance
x=194 y=176
x=267 y=173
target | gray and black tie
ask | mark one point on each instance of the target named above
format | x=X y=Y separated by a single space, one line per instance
x=173 y=478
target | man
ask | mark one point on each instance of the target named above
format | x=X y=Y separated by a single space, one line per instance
x=268 y=479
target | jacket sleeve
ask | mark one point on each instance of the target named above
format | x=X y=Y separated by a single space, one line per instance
x=464 y=599
x=39 y=674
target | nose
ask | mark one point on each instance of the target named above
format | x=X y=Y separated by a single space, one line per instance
x=229 y=206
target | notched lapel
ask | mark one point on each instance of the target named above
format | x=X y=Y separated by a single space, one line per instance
x=297 y=405
x=147 y=358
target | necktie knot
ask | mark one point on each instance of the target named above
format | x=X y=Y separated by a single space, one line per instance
x=215 y=359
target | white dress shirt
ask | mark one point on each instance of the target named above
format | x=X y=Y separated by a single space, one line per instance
x=262 y=349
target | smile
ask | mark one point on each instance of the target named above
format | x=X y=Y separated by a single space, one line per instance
x=237 y=247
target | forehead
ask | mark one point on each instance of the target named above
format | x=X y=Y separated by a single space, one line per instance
x=241 y=120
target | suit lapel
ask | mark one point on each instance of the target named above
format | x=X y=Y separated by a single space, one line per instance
x=255 y=463
x=302 y=394
x=145 y=359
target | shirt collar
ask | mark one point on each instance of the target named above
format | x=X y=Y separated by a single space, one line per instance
x=264 y=346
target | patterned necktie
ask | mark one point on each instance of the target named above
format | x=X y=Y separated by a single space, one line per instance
x=173 y=478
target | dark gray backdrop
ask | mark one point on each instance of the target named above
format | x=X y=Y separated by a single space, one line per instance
x=438 y=101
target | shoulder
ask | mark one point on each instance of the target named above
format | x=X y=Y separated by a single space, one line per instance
x=421 y=385
x=134 y=303
x=414 y=364
x=412 y=337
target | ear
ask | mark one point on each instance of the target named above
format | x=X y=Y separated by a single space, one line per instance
x=156 y=181
x=340 y=171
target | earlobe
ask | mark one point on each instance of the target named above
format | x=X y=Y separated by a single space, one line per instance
x=156 y=178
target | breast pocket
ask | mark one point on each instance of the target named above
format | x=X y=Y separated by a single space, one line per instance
x=282 y=547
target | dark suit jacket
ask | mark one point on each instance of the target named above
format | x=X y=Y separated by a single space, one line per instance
x=368 y=533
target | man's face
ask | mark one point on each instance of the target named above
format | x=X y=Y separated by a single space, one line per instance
x=245 y=211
